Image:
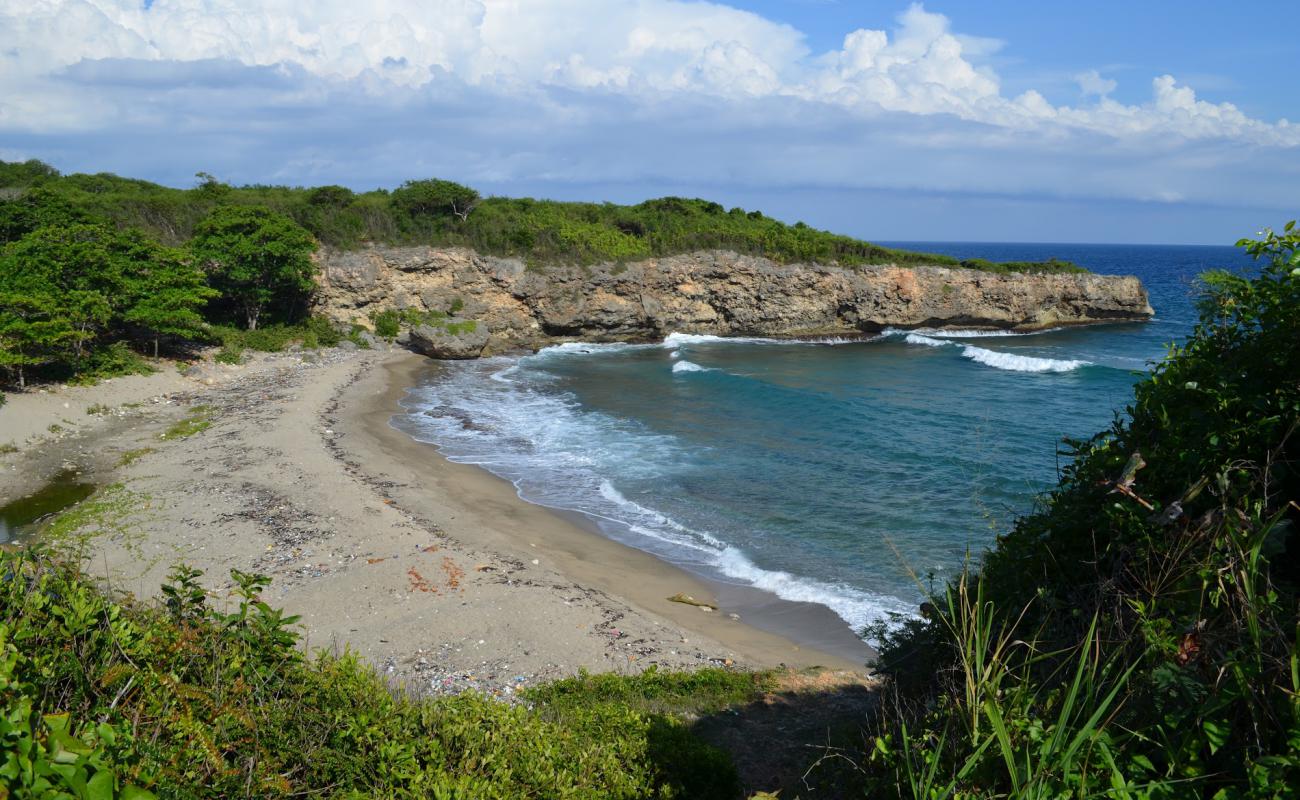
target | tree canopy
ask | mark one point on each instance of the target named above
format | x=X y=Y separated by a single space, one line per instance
x=64 y=288
x=257 y=259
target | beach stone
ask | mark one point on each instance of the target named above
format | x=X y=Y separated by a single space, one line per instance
x=457 y=339
x=348 y=346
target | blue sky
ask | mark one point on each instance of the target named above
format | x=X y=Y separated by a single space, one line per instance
x=962 y=120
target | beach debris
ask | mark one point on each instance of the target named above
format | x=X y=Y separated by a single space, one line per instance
x=1124 y=484
x=483 y=567
x=686 y=599
x=536 y=561
x=419 y=583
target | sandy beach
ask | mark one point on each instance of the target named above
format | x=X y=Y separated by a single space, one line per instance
x=437 y=573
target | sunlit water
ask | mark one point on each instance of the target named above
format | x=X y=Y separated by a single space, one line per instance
x=839 y=473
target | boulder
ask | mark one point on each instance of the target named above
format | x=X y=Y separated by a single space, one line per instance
x=455 y=339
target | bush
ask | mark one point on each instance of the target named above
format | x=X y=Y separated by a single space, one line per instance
x=441 y=212
x=1140 y=635
x=189 y=701
x=113 y=361
x=388 y=323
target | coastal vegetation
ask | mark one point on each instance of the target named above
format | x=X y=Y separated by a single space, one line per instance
x=1139 y=636
x=96 y=269
x=191 y=699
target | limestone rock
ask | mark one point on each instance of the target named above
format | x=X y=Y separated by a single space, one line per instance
x=713 y=292
x=457 y=339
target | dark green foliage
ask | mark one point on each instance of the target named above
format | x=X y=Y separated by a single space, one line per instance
x=258 y=260
x=435 y=198
x=25 y=173
x=66 y=290
x=191 y=701
x=441 y=212
x=1140 y=635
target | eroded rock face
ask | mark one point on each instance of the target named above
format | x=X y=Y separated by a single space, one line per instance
x=712 y=292
x=457 y=339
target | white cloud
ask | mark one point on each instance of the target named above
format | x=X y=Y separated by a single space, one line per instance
x=1091 y=83
x=656 y=91
x=637 y=47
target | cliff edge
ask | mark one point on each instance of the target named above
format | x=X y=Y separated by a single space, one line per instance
x=709 y=292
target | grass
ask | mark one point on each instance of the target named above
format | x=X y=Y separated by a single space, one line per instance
x=198 y=420
x=681 y=694
x=129 y=457
x=113 y=510
x=8 y=447
x=98 y=409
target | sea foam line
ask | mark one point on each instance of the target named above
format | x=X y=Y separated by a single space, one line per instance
x=1017 y=363
x=1011 y=362
x=557 y=455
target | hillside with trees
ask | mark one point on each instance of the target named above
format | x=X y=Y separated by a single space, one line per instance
x=97 y=268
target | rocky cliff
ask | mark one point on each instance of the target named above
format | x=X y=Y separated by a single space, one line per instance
x=718 y=293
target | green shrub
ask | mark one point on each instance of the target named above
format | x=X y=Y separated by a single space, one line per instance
x=188 y=701
x=113 y=361
x=324 y=332
x=1140 y=635
x=230 y=354
x=388 y=323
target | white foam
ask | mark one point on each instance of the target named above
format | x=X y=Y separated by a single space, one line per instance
x=689 y=366
x=916 y=338
x=975 y=333
x=674 y=340
x=609 y=492
x=854 y=606
x=557 y=454
x=587 y=348
x=1018 y=363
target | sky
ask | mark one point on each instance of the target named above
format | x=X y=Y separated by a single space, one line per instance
x=957 y=120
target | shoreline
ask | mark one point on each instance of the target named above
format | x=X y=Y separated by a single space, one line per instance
x=436 y=573
x=591 y=557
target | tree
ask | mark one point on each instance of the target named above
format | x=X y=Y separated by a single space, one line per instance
x=435 y=198
x=32 y=331
x=66 y=288
x=255 y=257
x=77 y=275
x=168 y=296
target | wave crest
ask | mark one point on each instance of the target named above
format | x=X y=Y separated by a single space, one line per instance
x=1018 y=363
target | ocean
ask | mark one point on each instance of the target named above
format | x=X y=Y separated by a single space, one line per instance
x=852 y=474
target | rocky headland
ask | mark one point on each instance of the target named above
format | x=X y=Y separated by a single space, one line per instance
x=516 y=306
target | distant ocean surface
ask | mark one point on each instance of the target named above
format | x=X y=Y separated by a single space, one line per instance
x=836 y=473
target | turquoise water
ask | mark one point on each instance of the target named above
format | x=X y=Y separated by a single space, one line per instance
x=840 y=473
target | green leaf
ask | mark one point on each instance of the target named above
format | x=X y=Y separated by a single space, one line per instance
x=1216 y=733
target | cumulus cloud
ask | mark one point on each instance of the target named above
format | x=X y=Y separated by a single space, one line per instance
x=655 y=91
x=1091 y=83
x=638 y=47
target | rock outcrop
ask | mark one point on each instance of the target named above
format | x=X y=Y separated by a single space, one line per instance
x=712 y=292
x=455 y=339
